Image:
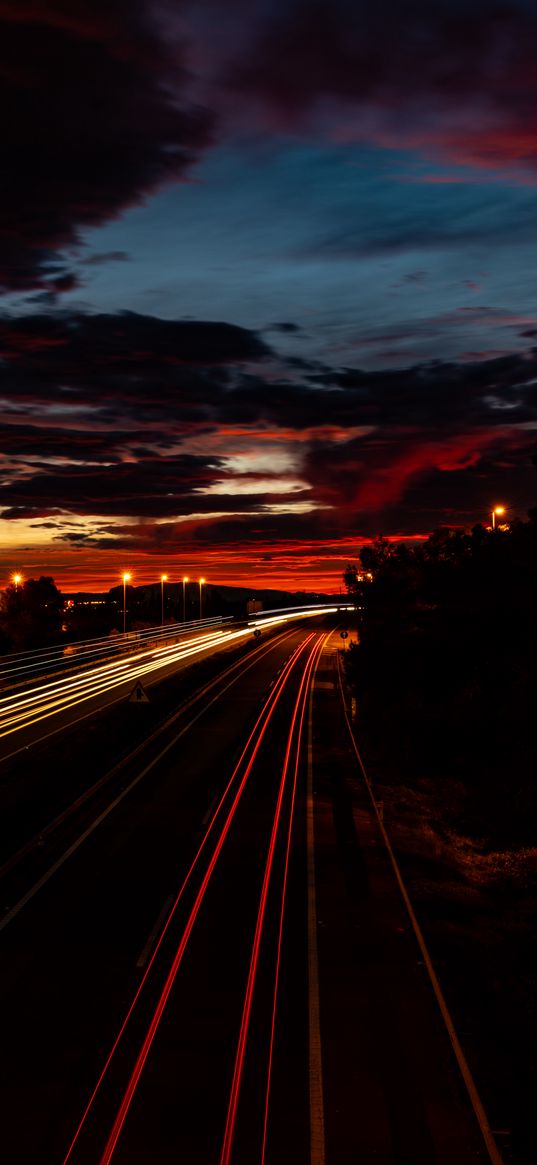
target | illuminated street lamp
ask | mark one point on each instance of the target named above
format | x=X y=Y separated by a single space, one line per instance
x=126 y=579
x=497 y=513
x=202 y=580
x=185 y=580
x=163 y=579
x=17 y=579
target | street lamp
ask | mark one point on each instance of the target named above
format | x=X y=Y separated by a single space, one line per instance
x=497 y=513
x=163 y=579
x=202 y=580
x=185 y=580
x=126 y=579
x=17 y=579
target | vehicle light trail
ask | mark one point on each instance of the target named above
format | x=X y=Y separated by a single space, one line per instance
x=312 y=665
x=261 y=724
x=254 y=960
x=18 y=668
x=26 y=708
x=71 y=690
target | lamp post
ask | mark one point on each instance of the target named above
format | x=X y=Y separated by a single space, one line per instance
x=163 y=579
x=202 y=580
x=497 y=513
x=17 y=579
x=126 y=579
x=185 y=580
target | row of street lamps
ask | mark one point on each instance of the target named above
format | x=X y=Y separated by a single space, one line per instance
x=163 y=579
x=497 y=512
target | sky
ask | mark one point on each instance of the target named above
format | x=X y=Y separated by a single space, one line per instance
x=268 y=273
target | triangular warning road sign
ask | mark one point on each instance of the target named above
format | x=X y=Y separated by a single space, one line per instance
x=138 y=694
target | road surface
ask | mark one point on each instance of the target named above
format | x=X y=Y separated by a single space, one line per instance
x=218 y=967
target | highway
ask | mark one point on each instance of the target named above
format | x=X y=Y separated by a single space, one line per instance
x=33 y=697
x=209 y=961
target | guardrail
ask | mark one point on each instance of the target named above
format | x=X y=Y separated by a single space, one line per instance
x=41 y=662
x=24 y=665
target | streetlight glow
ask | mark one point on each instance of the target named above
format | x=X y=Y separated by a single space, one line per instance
x=17 y=579
x=163 y=579
x=497 y=513
x=126 y=578
x=185 y=580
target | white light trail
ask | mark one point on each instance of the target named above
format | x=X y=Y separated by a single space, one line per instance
x=28 y=706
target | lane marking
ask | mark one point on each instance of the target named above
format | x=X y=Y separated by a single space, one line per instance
x=47 y=830
x=15 y=910
x=266 y=710
x=211 y=808
x=155 y=932
x=238 y=1070
x=298 y=755
x=471 y=1087
x=317 y=1133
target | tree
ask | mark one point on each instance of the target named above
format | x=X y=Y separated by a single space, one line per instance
x=30 y=614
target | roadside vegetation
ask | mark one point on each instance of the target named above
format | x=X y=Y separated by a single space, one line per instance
x=445 y=685
x=446 y=669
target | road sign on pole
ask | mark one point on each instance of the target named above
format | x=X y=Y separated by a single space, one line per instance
x=138 y=694
x=344 y=634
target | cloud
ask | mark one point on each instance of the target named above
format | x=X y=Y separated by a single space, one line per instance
x=102 y=258
x=94 y=118
x=283 y=327
x=181 y=429
x=444 y=77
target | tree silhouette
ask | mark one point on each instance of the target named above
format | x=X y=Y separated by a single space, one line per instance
x=30 y=614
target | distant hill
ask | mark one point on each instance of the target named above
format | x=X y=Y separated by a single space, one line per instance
x=216 y=598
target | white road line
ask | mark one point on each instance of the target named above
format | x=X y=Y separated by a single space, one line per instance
x=212 y=806
x=15 y=910
x=317 y=1138
x=141 y=962
x=492 y=1149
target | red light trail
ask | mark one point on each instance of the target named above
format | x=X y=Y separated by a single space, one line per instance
x=260 y=728
x=247 y=1008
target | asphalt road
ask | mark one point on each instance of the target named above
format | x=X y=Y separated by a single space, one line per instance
x=226 y=956
x=42 y=708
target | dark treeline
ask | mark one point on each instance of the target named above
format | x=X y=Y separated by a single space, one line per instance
x=34 y=613
x=446 y=669
x=30 y=614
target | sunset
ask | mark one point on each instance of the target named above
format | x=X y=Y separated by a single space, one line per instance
x=268 y=567
x=258 y=315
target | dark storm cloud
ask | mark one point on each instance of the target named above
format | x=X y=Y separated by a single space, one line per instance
x=450 y=75
x=140 y=387
x=151 y=488
x=92 y=120
x=104 y=257
x=87 y=347
x=284 y=327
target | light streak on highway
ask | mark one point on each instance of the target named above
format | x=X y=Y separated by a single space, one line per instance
x=311 y=668
x=231 y=1118
x=29 y=706
x=19 y=668
x=254 y=742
